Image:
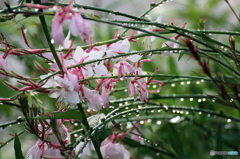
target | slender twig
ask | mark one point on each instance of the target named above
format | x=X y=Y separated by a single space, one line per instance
x=233 y=10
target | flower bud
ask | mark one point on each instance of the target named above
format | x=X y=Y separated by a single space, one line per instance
x=201 y=23
x=232 y=41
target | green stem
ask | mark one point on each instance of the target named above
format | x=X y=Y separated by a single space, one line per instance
x=48 y=37
x=7 y=142
x=85 y=123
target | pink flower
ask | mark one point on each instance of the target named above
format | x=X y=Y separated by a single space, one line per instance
x=105 y=97
x=37 y=150
x=69 y=89
x=53 y=153
x=132 y=90
x=136 y=134
x=94 y=101
x=87 y=32
x=144 y=94
x=77 y=26
x=57 y=30
x=86 y=150
x=114 y=151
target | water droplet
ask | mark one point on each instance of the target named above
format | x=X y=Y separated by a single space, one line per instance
x=159 y=110
x=141 y=122
x=208 y=115
x=197 y=82
x=139 y=106
x=120 y=104
x=124 y=115
x=154 y=86
x=152 y=111
x=36 y=10
x=204 y=99
x=181 y=99
x=75 y=124
x=228 y=120
x=173 y=84
x=191 y=99
x=75 y=135
x=231 y=100
x=222 y=47
x=188 y=82
x=199 y=113
x=213 y=100
x=10 y=125
x=157 y=154
x=182 y=83
x=199 y=100
x=126 y=107
x=126 y=103
x=136 y=25
x=159 y=122
x=125 y=90
x=149 y=120
x=110 y=13
x=187 y=112
x=52 y=41
x=174 y=111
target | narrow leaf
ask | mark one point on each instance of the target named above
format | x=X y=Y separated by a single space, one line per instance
x=17 y=147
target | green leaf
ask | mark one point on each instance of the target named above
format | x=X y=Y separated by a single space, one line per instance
x=132 y=142
x=17 y=147
x=102 y=132
x=93 y=17
x=71 y=114
x=175 y=139
x=180 y=56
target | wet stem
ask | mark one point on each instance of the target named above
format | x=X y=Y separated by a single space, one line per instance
x=85 y=123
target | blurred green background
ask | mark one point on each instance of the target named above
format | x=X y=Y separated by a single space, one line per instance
x=184 y=137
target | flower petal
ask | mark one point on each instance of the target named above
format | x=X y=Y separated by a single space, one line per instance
x=100 y=70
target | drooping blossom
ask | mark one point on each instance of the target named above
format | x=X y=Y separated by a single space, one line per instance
x=136 y=134
x=57 y=30
x=78 y=25
x=172 y=44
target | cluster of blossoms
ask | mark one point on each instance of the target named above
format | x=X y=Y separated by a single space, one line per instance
x=71 y=86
